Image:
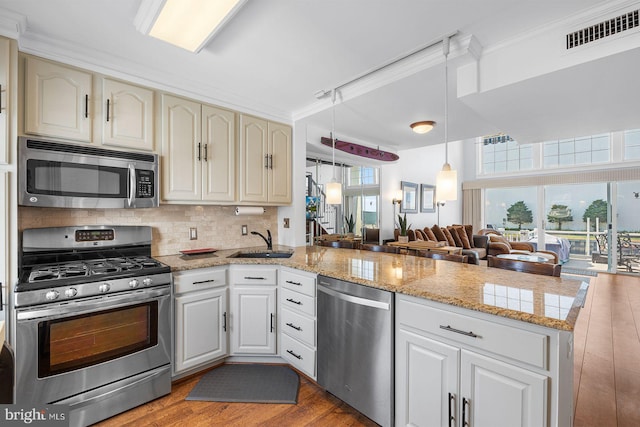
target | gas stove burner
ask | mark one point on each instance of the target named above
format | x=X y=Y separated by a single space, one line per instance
x=146 y=262
x=56 y=272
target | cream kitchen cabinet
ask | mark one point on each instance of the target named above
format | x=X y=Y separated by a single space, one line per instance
x=253 y=310
x=58 y=100
x=265 y=161
x=127 y=115
x=455 y=368
x=200 y=317
x=297 y=315
x=5 y=98
x=198 y=152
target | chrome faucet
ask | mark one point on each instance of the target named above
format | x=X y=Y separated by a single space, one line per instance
x=267 y=240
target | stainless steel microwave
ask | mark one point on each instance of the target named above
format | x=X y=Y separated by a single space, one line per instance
x=54 y=174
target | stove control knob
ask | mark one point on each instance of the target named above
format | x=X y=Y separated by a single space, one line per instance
x=104 y=288
x=71 y=292
x=148 y=281
x=51 y=295
x=134 y=283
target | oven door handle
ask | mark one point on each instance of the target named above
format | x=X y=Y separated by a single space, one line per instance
x=132 y=184
x=93 y=305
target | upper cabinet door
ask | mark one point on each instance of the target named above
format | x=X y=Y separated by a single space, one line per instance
x=181 y=149
x=280 y=163
x=218 y=156
x=127 y=115
x=5 y=73
x=57 y=101
x=254 y=159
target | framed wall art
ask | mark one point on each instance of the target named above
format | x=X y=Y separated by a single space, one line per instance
x=427 y=198
x=409 y=202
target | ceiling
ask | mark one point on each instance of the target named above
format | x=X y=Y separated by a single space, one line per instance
x=275 y=55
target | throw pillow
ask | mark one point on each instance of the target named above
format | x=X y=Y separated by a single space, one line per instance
x=455 y=236
x=448 y=236
x=501 y=239
x=439 y=235
x=427 y=232
x=462 y=234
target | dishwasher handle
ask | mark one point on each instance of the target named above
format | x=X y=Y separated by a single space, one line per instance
x=355 y=300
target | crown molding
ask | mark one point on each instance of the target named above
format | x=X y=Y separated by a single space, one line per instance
x=110 y=64
x=12 y=25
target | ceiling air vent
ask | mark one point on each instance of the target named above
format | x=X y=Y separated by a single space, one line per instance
x=603 y=29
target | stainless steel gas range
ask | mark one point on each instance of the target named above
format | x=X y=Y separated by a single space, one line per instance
x=93 y=324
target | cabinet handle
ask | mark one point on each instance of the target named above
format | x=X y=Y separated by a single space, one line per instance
x=297 y=328
x=465 y=402
x=458 y=331
x=294 y=283
x=86 y=106
x=452 y=419
x=108 y=103
x=297 y=356
x=199 y=151
x=270 y=161
x=205 y=152
x=294 y=301
x=254 y=278
x=266 y=161
x=271 y=329
x=224 y=321
x=199 y=282
x=0 y=99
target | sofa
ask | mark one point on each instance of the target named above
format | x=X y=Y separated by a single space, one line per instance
x=461 y=236
x=498 y=244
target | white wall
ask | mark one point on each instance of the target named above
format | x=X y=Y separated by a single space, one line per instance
x=421 y=166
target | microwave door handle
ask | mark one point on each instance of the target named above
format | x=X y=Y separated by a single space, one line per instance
x=132 y=184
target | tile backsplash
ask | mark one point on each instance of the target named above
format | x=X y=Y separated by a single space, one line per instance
x=218 y=226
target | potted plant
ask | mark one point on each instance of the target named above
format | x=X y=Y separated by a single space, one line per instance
x=350 y=225
x=402 y=225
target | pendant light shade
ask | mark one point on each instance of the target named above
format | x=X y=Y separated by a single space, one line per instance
x=334 y=188
x=447 y=179
x=447 y=184
x=334 y=192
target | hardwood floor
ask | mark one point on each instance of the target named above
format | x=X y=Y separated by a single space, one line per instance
x=606 y=378
x=607 y=354
x=315 y=408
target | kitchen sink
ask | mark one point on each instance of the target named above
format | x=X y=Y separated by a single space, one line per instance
x=261 y=254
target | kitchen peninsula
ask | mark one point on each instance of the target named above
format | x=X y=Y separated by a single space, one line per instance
x=471 y=341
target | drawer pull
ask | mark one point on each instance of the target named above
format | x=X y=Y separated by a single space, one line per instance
x=254 y=278
x=465 y=402
x=297 y=328
x=200 y=282
x=297 y=356
x=294 y=283
x=224 y=321
x=458 y=331
x=294 y=301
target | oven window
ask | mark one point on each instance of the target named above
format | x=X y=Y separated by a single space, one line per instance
x=80 y=341
x=76 y=179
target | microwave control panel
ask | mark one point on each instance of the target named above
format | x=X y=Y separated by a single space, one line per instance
x=144 y=184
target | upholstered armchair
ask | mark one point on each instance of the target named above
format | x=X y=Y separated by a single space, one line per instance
x=498 y=244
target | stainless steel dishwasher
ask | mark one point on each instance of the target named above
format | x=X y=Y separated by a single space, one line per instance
x=356 y=347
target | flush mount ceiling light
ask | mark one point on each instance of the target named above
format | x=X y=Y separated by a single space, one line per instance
x=188 y=24
x=422 y=127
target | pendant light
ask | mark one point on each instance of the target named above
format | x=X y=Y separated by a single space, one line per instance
x=334 y=188
x=447 y=179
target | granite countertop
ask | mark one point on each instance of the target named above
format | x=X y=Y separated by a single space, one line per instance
x=552 y=302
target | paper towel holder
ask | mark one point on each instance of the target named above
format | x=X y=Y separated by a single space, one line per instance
x=249 y=210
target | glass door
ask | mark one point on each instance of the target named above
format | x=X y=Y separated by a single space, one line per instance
x=362 y=202
x=626 y=226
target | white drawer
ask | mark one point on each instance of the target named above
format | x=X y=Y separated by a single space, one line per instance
x=299 y=302
x=298 y=282
x=197 y=280
x=299 y=355
x=518 y=344
x=253 y=276
x=298 y=326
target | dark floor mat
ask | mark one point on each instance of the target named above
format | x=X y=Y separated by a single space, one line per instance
x=248 y=383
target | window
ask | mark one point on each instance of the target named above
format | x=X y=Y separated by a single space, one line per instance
x=502 y=154
x=360 y=175
x=576 y=151
x=632 y=144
